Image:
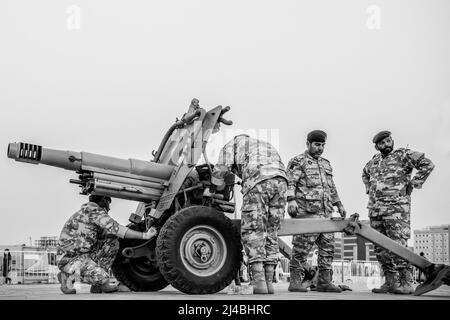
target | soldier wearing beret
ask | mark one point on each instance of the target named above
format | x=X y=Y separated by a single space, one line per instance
x=312 y=194
x=387 y=178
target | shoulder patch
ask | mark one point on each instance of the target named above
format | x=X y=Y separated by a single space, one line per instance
x=297 y=160
x=401 y=150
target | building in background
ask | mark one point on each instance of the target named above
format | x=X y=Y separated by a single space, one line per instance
x=434 y=243
x=338 y=246
x=33 y=264
x=353 y=247
x=46 y=242
x=350 y=248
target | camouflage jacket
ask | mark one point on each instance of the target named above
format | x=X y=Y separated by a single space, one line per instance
x=386 y=178
x=84 y=228
x=250 y=159
x=311 y=182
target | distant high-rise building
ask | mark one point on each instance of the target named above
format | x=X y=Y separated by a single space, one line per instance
x=350 y=247
x=353 y=247
x=434 y=243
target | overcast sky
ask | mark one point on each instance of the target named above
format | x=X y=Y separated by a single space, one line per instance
x=110 y=77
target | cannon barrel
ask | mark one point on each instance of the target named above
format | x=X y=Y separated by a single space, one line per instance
x=76 y=161
x=130 y=179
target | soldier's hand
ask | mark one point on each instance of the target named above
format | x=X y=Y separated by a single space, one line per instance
x=150 y=233
x=292 y=208
x=207 y=192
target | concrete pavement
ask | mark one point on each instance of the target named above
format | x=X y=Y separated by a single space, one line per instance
x=52 y=292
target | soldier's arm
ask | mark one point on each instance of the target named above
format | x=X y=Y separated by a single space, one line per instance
x=224 y=164
x=112 y=227
x=105 y=222
x=294 y=173
x=423 y=165
x=366 y=177
x=127 y=233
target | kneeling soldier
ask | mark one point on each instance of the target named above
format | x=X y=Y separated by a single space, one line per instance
x=88 y=245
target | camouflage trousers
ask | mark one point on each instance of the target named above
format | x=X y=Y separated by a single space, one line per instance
x=92 y=267
x=303 y=243
x=392 y=220
x=262 y=212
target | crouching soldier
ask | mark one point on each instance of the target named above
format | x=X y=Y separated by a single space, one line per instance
x=88 y=245
x=264 y=186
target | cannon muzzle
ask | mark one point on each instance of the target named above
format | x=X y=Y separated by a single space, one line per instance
x=35 y=154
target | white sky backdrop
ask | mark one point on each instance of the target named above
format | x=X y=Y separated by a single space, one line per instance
x=115 y=85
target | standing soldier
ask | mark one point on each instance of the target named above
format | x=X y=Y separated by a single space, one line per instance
x=88 y=245
x=388 y=182
x=312 y=194
x=264 y=186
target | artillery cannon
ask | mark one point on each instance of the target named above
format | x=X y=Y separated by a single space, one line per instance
x=197 y=249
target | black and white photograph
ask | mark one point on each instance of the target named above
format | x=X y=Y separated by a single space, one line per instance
x=223 y=159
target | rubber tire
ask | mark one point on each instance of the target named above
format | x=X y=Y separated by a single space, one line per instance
x=169 y=256
x=126 y=272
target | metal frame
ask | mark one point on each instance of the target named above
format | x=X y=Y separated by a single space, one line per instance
x=436 y=274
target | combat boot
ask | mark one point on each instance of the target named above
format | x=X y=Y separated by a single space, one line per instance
x=324 y=282
x=390 y=284
x=310 y=278
x=66 y=283
x=96 y=288
x=268 y=270
x=258 y=278
x=109 y=286
x=405 y=278
x=295 y=281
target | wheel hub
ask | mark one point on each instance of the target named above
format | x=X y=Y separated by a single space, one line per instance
x=203 y=250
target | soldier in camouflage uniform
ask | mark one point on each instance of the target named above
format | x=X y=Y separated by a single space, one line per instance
x=264 y=186
x=387 y=178
x=88 y=245
x=312 y=194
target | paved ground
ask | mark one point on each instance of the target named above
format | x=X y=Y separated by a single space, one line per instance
x=51 y=291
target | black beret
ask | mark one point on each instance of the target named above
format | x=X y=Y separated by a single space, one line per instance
x=317 y=135
x=380 y=136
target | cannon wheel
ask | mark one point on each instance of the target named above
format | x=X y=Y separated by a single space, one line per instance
x=199 y=250
x=139 y=274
